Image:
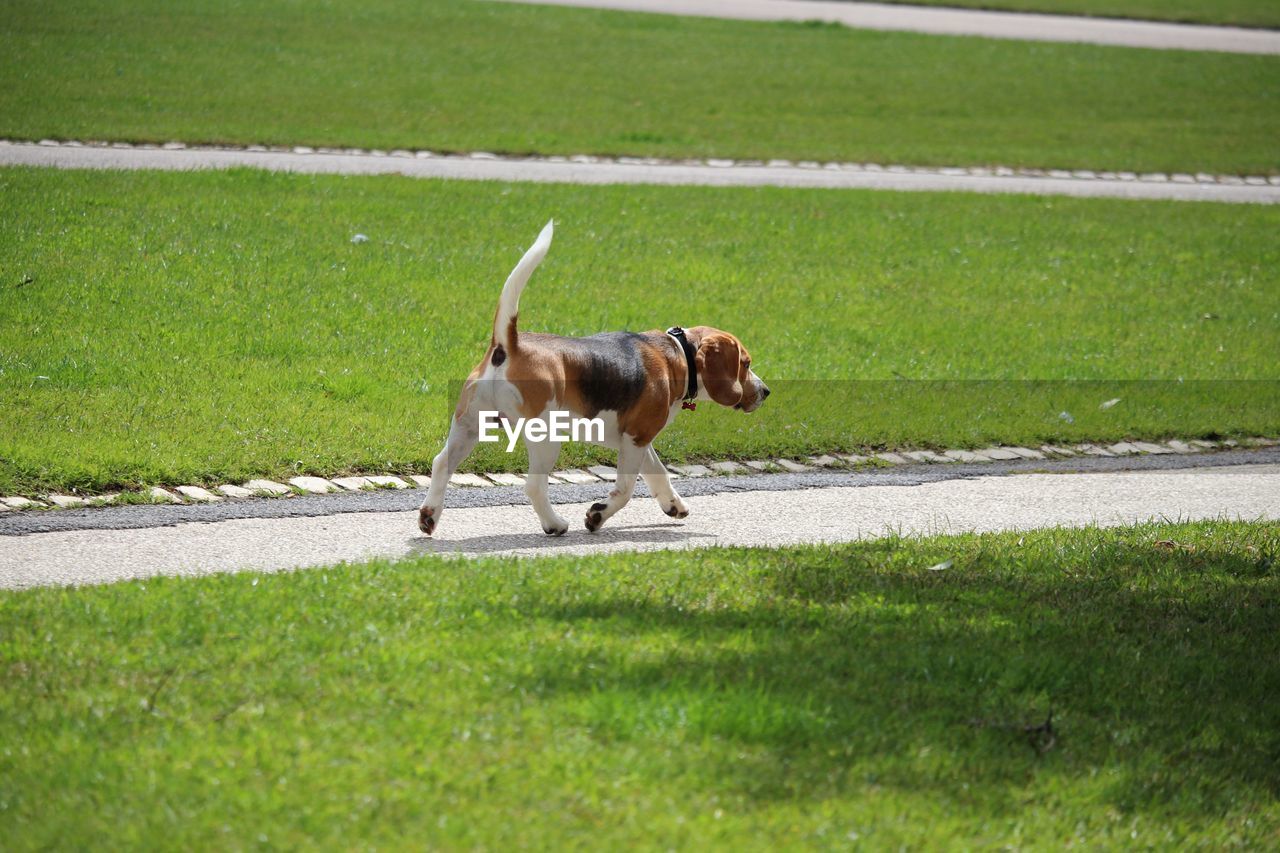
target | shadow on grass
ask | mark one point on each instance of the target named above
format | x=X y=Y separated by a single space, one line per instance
x=847 y=673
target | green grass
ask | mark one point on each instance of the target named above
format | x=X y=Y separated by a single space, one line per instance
x=450 y=75
x=1239 y=13
x=756 y=699
x=160 y=327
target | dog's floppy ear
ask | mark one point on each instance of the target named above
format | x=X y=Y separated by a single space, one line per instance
x=718 y=362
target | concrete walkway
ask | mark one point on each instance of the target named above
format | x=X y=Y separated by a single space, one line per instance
x=734 y=514
x=960 y=22
x=629 y=170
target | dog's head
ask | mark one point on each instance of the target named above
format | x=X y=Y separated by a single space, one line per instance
x=724 y=369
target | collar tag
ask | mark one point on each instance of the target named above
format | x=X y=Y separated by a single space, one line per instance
x=687 y=405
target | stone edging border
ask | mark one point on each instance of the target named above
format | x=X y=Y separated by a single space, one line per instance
x=608 y=474
x=711 y=162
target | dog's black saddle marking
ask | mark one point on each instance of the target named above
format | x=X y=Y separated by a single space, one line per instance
x=613 y=374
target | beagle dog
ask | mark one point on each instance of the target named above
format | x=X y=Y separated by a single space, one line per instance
x=635 y=383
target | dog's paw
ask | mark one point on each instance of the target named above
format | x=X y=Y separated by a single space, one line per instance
x=677 y=509
x=556 y=528
x=427 y=517
x=595 y=516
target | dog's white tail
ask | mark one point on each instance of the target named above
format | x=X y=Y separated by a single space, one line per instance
x=504 y=322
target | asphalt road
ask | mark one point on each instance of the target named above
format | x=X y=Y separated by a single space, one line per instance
x=936 y=20
x=105 y=545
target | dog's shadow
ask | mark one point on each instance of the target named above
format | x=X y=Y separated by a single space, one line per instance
x=644 y=534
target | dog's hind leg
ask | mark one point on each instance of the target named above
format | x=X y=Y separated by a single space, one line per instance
x=659 y=483
x=542 y=458
x=630 y=458
x=464 y=432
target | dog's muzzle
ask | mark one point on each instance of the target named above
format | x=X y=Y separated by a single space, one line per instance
x=762 y=391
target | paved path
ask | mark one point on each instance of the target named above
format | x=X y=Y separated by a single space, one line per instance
x=623 y=170
x=727 y=517
x=960 y=22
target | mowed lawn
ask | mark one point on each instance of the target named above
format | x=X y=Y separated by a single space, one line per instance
x=1240 y=13
x=815 y=697
x=466 y=75
x=161 y=327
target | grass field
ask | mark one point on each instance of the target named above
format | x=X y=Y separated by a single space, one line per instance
x=1240 y=13
x=462 y=75
x=160 y=327
x=748 y=698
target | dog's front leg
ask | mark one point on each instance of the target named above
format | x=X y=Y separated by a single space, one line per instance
x=630 y=458
x=542 y=458
x=464 y=432
x=659 y=483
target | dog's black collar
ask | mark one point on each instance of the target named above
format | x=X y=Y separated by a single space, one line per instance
x=678 y=333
